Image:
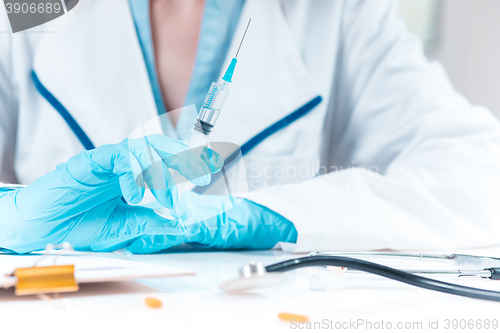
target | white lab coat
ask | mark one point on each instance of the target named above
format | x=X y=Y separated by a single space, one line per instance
x=407 y=162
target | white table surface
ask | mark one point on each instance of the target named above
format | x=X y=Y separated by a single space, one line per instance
x=195 y=304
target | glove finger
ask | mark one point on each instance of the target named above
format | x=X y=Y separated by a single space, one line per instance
x=153 y=169
x=195 y=165
x=156 y=153
x=212 y=159
x=154 y=243
x=129 y=223
x=132 y=187
x=161 y=182
x=98 y=166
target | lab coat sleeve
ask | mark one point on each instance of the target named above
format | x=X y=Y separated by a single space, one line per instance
x=430 y=161
x=8 y=105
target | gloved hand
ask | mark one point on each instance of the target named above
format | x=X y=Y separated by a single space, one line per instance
x=213 y=222
x=81 y=201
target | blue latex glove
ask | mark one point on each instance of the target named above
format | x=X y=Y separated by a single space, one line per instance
x=81 y=201
x=213 y=222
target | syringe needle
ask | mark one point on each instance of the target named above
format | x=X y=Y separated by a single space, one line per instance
x=242 y=39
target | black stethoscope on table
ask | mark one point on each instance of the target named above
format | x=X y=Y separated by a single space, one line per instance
x=256 y=275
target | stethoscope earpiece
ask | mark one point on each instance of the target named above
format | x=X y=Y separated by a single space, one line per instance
x=253 y=276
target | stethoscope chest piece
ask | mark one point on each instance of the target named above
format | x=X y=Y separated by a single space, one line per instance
x=253 y=276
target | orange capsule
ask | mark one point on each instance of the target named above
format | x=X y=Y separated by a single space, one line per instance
x=289 y=317
x=153 y=302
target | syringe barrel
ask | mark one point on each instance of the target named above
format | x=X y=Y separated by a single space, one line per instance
x=214 y=102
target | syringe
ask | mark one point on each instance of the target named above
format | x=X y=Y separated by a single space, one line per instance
x=214 y=101
x=208 y=116
x=210 y=110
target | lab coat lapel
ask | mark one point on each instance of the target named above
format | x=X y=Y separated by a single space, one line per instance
x=94 y=67
x=271 y=80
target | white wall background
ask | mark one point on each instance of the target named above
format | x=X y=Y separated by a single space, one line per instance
x=468 y=45
x=464 y=35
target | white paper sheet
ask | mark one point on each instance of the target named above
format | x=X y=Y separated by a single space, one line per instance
x=89 y=269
